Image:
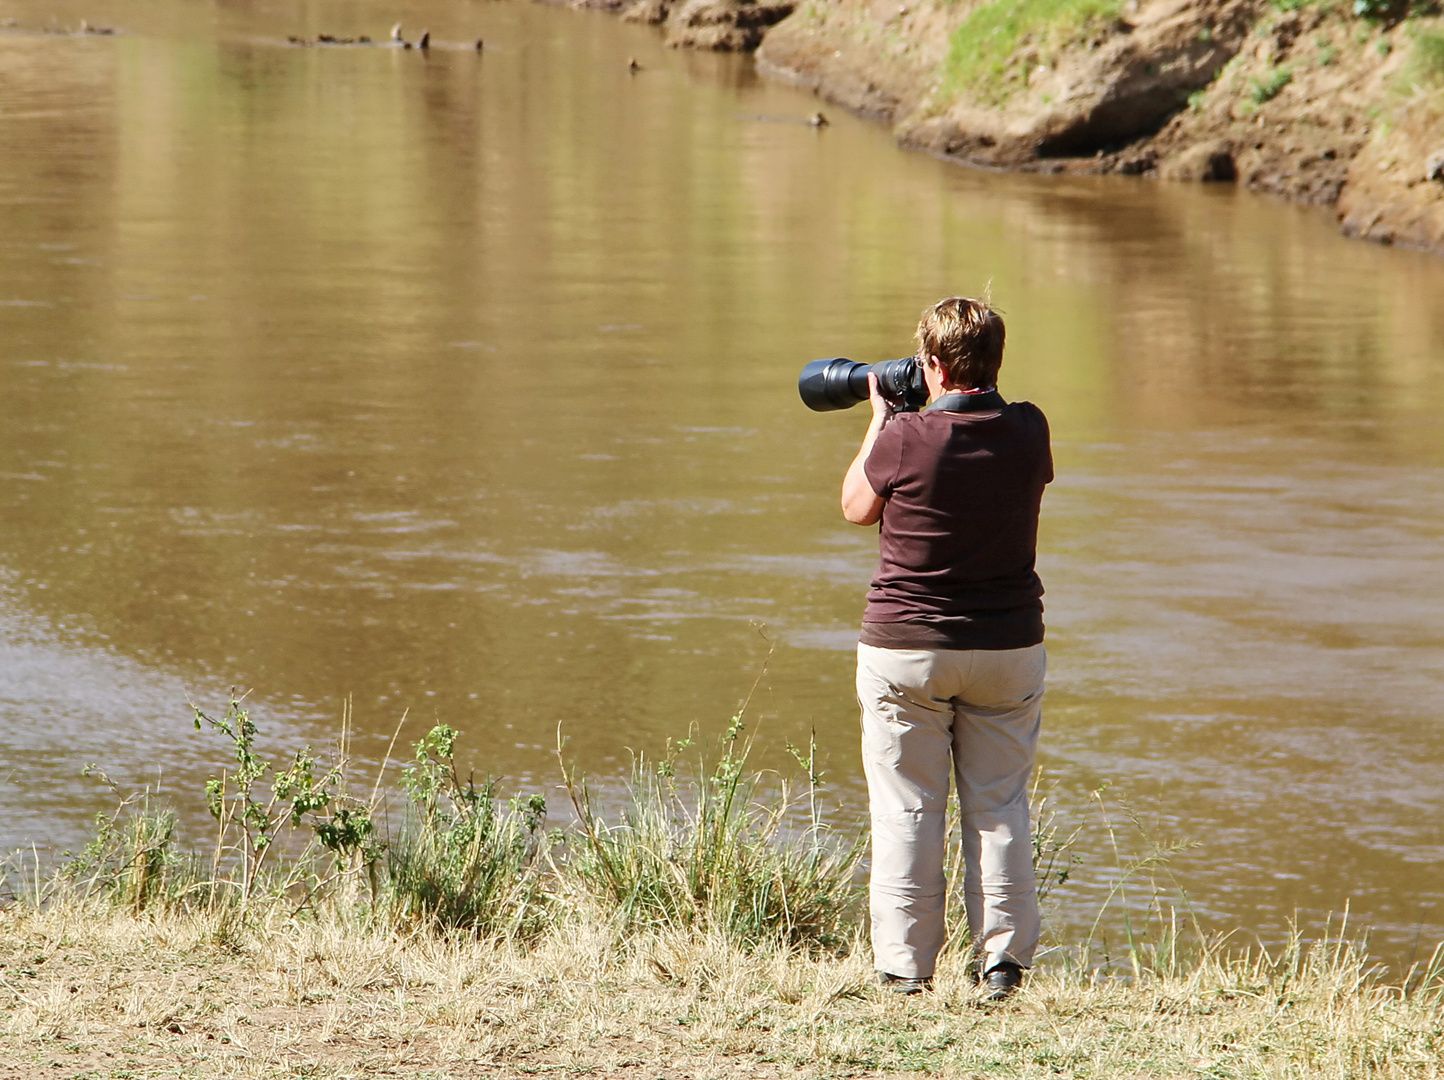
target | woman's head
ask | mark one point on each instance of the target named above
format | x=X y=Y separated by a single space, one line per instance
x=967 y=338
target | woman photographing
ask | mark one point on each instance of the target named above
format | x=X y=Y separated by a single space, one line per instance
x=950 y=661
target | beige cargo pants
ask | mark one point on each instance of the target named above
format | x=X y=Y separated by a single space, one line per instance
x=927 y=713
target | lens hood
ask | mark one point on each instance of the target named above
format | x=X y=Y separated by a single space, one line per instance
x=830 y=385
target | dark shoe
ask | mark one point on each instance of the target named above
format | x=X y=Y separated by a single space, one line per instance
x=1001 y=981
x=901 y=984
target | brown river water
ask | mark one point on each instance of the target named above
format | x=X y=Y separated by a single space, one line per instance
x=464 y=386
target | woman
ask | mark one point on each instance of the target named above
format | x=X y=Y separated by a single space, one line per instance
x=950 y=661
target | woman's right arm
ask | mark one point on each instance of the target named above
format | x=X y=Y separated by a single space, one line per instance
x=860 y=504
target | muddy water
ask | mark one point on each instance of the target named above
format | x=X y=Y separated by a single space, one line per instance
x=462 y=386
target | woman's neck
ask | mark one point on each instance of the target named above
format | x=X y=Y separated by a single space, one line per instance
x=967 y=390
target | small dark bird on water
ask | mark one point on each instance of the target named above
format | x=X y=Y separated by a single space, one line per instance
x=817 y=120
x=478 y=44
x=424 y=41
x=632 y=65
x=396 y=33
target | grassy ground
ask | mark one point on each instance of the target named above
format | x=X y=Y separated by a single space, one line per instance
x=698 y=927
x=86 y=990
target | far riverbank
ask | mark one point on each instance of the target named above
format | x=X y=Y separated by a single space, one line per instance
x=1318 y=101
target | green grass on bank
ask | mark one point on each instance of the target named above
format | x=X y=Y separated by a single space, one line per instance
x=1424 y=67
x=998 y=45
x=992 y=52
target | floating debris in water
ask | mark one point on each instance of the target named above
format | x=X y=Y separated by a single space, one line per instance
x=423 y=43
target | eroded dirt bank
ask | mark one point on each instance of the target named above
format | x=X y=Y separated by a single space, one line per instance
x=1302 y=98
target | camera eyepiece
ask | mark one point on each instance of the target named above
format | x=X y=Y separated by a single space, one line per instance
x=839 y=383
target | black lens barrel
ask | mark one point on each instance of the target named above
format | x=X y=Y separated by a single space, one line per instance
x=839 y=383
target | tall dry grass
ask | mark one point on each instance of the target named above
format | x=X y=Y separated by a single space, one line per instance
x=704 y=923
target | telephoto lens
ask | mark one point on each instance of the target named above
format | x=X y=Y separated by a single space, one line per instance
x=839 y=383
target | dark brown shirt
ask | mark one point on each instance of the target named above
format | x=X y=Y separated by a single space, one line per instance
x=959 y=531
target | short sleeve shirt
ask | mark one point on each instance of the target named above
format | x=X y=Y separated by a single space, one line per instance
x=959 y=531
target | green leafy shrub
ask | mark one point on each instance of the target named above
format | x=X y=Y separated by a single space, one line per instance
x=252 y=814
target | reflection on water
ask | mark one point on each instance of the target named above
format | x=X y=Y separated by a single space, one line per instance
x=463 y=385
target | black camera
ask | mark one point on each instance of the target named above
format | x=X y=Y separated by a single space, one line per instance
x=828 y=385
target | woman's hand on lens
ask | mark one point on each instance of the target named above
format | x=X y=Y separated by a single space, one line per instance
x=881 y=410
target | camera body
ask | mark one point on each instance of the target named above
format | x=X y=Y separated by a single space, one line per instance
x=839 y=383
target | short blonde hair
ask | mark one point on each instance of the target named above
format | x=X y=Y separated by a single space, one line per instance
x=967 y=337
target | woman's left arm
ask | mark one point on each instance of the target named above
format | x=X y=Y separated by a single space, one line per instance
x=860 y=504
